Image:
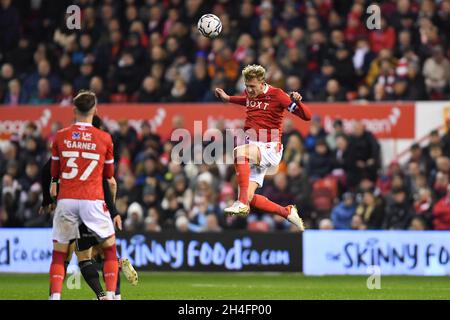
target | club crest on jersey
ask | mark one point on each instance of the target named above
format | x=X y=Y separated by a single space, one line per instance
x=76 y=135
x=86 y=136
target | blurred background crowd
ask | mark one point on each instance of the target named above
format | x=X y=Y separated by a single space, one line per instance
x=335 y=178
x=150 y=51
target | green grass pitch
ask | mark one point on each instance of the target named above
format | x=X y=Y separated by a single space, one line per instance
x=236 y=286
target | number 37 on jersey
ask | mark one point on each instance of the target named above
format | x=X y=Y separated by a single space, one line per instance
x=81 y=156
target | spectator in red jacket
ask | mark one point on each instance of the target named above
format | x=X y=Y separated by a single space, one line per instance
x=441 y=213
x=383 y=38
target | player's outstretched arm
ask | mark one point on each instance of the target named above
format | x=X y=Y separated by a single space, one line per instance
x=222 y=95
x=242 y=100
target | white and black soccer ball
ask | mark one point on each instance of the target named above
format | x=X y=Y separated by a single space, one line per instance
x=209 y=25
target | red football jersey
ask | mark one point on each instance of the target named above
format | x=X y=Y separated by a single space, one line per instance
x=266 y=111
x=81 y=156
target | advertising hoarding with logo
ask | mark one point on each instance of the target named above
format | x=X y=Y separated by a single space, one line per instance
x=30 y=250
x=324 y=252
x=394 y=252
x=25 y=250
x=395 y=124
x=227 y=251
x=430 y=116
x=385 y=120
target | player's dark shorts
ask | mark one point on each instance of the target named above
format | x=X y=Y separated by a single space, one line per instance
x=87 y=239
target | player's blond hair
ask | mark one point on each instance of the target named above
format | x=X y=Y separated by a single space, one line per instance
x=254 y=71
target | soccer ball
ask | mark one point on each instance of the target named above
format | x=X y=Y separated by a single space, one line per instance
x=209 y=25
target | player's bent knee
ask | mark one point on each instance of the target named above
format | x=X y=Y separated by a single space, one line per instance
x=70 y=251
x=83 y=255
x=250 y=152
x=110 y=253
x=240 y=151
x=109 y=242
x=60 y=247
x=96 y=250
x=250 y=195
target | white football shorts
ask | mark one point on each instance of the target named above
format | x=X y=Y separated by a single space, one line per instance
x=70 y=213
x=271 y=154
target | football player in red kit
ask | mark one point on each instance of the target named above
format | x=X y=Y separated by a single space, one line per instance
x=82 y=156
x=265 y=106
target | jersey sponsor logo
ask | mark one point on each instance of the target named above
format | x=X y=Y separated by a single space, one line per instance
x=86 y=136
x=76 y=135
x=257 y=104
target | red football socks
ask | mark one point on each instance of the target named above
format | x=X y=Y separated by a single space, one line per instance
x=110 y=268
x=264 y=204
x=241 y=164
x=57 y=272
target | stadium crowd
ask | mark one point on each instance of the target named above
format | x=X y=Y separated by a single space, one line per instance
x=335 y=178
x=150 y=50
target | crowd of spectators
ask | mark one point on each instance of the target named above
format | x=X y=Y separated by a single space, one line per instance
x=150 y=51
x=155 y=193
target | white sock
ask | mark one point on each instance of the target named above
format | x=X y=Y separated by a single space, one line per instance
x=55 y=296
x=110 y=295
x=117 y=297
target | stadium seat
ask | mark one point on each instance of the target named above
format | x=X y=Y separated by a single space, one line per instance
x=324 y=192
x=258 y=226
x=329 y=182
